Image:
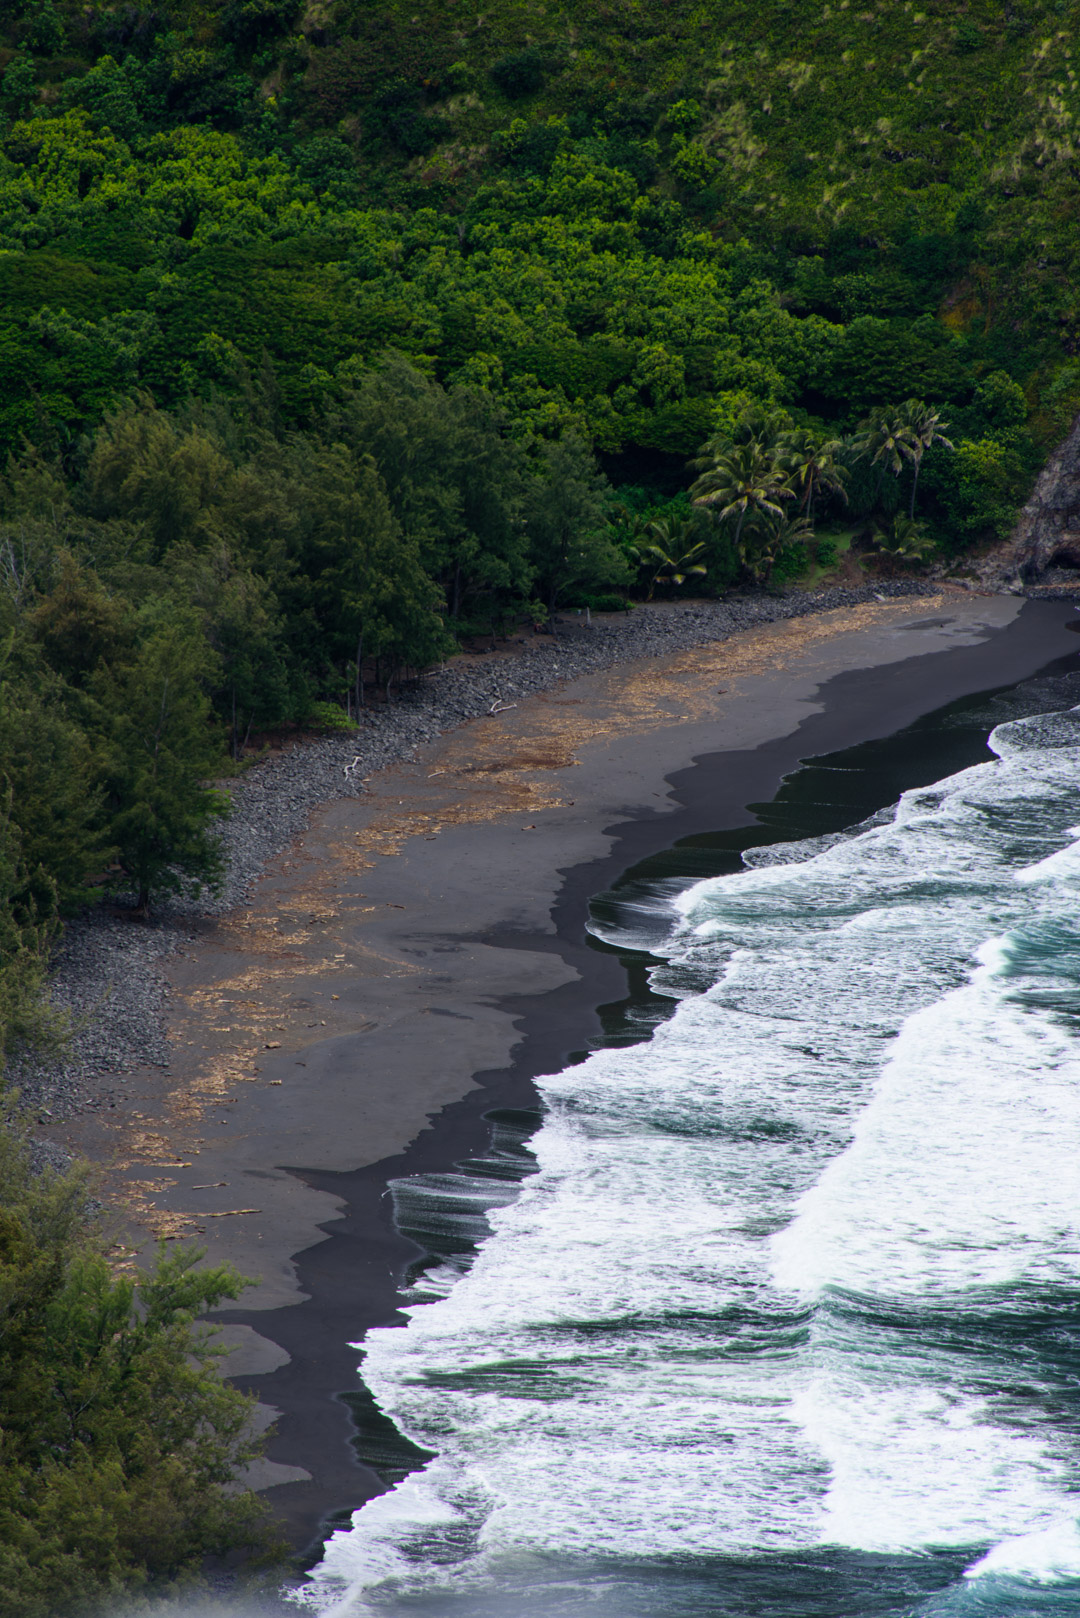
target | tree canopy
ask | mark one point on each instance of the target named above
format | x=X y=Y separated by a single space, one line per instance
x=120 y=1443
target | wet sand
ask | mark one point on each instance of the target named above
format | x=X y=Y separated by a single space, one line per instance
x=420 y=954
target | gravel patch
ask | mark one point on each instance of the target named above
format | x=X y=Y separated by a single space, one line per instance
x=107 y=972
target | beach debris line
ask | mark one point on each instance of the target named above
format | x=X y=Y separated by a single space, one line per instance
x=107 y=961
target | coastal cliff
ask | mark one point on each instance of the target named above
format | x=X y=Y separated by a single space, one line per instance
x=1043 y=551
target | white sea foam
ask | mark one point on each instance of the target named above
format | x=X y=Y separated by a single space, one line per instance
x=1050 y=1554
x=758 y=1296
x=1062 y=866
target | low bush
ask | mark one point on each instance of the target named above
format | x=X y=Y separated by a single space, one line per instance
x=521 y=73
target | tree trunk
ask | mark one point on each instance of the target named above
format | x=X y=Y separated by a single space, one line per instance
x=234 y=752
x=359 y=673
x=914 y=486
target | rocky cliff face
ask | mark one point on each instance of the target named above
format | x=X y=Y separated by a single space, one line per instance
x=1044 y=547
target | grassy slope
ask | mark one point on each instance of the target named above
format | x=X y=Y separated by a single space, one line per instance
x=857 y=134
x=908 y=164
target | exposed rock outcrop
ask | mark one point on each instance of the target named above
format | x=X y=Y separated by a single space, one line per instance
x=1043 y=550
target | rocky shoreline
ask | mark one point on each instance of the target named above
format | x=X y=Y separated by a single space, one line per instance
x=107 y=971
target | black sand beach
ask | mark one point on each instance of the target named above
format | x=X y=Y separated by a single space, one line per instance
x=421 y=955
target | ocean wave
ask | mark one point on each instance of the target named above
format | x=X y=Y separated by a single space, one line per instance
x=798 y=1272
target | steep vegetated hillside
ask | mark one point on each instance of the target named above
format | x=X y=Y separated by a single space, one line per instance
x=615 y=217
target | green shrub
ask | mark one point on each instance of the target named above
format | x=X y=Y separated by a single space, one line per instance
x=790 y=564
x=684 y=115
x=328 y=716
x=605 y=601
x=18 y=85
x=249 y=22
x=120 y=1444
x=45 y=31
x=521 y=73
x=976 y=491
x=826 y=554
x=398 y=113
x=458 y=78
x=968 y=38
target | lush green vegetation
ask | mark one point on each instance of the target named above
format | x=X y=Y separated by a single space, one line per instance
x=335 y=331
x=118 y=1439
x=189 y=173
x=615 y=219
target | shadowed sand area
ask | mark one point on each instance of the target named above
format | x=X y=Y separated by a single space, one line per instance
x=419 y=954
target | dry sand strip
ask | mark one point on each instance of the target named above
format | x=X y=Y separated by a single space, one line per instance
x=104 y=963
x=322 y=1026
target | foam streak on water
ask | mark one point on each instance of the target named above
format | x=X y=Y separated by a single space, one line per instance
x=797 y=1284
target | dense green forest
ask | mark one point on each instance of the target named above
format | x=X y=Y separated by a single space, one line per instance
x=334 y=332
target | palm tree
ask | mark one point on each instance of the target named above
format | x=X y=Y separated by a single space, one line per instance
x=924 y=425
x=767 y=536
x=894 y=438
x=663 y=555
x=887 y=440
x=633 y=528
x=746 y=479
x=903 y=537
x=756 y=428
x=768 y=428
x=813 y=466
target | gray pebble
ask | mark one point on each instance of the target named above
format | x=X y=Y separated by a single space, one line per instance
x=108 y=973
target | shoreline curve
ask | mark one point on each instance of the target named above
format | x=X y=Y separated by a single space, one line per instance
x=438 y=922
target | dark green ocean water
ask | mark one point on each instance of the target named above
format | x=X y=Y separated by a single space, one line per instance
x=779 y=1313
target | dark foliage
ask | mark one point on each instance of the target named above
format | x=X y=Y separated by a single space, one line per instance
x=119 y=1440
